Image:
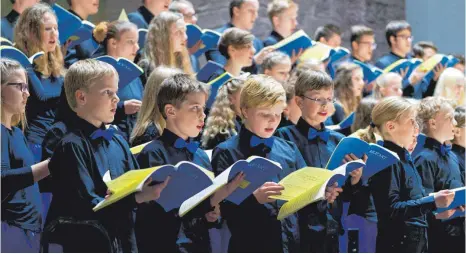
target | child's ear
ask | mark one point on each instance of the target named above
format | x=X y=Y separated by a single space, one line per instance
x=231 y=50
x=390 y=126
x=80 y=97
x=432 y=124
x=169 y=110
x=244 y=113
x=299 y=101
x=112 y=43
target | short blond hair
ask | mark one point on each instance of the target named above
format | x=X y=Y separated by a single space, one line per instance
x=277 y=7
x=84 y=74
x=262 y=91
x=430 y=107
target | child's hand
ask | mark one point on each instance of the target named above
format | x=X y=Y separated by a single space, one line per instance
x=132 y=106
x=445 y=215
x=259 y=57
x=213 y=215
x=226 y=190
x=438 y=71
x=416 y=76
x=266 y=190
x=332 y=192
x=295 y=56
x=444 y=198
x=195 y=48
x=357 y=173
x=151 y=192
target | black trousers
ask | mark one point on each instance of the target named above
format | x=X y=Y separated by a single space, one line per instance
x=409 y=239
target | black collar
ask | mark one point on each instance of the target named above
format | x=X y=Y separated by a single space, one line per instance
x=402 y=153
x=276 y=35
x=169 y=138
x=86 y=127
x=12 y=17
x=304 y=127
x=433 y=143
x=397 y=56
x=146 y=14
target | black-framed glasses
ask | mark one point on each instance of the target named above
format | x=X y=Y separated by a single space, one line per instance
x=23 y=87
x=405 y=37
x=321 y=102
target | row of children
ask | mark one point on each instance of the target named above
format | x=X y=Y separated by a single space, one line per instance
x=79 y=161
x=140 y=119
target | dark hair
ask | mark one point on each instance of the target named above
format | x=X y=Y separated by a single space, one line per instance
x=393 y=27
x=234 y=37
x=419 y=47
x=312 y=80
x=460 y=58
x=174 y=90
x=326 y=31
x=233 y=4
x=357 y=32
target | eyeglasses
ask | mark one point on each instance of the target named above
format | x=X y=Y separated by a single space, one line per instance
x=321 y=102
x=405 y=37
x=23 y=87
x=373 y=45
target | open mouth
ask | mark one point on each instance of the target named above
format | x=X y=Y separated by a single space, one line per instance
x=268 y=130
x=113 y=110
x=200 y=126
x=322 y=113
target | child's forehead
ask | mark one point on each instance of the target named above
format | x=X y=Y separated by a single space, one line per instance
x=322 y=91
x=195 y=98
x=274 y=108
x=17 y=74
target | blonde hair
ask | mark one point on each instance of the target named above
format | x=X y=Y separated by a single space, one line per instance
x=343 y=87
x=277 y=7
x=428 y=109
x=84 y=74
x=9 y=68
x=149 y=112
x=362 y=115
x=382 y=82
x=222 y=115
x=447 y=81
x=28 y=39
x=158 y=49
x=105 y=31
x=388 y=109
x=262 y=91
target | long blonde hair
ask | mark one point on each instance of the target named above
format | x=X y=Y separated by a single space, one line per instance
x=149 y=112
x=447 y=81
x=28 y=39
x=388 y=109
x=158 y=49
x=9 y=68
x=343 y=87
x=222 y=116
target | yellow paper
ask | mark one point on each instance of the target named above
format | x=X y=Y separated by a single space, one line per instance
x=130 y=182
x=319 y=52
x=430 y=63
x=394 y=65
x=123 y=16
x=302 y=181
x=302 y=188
x=138 y=149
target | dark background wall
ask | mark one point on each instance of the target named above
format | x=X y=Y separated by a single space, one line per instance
x=312 y=13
